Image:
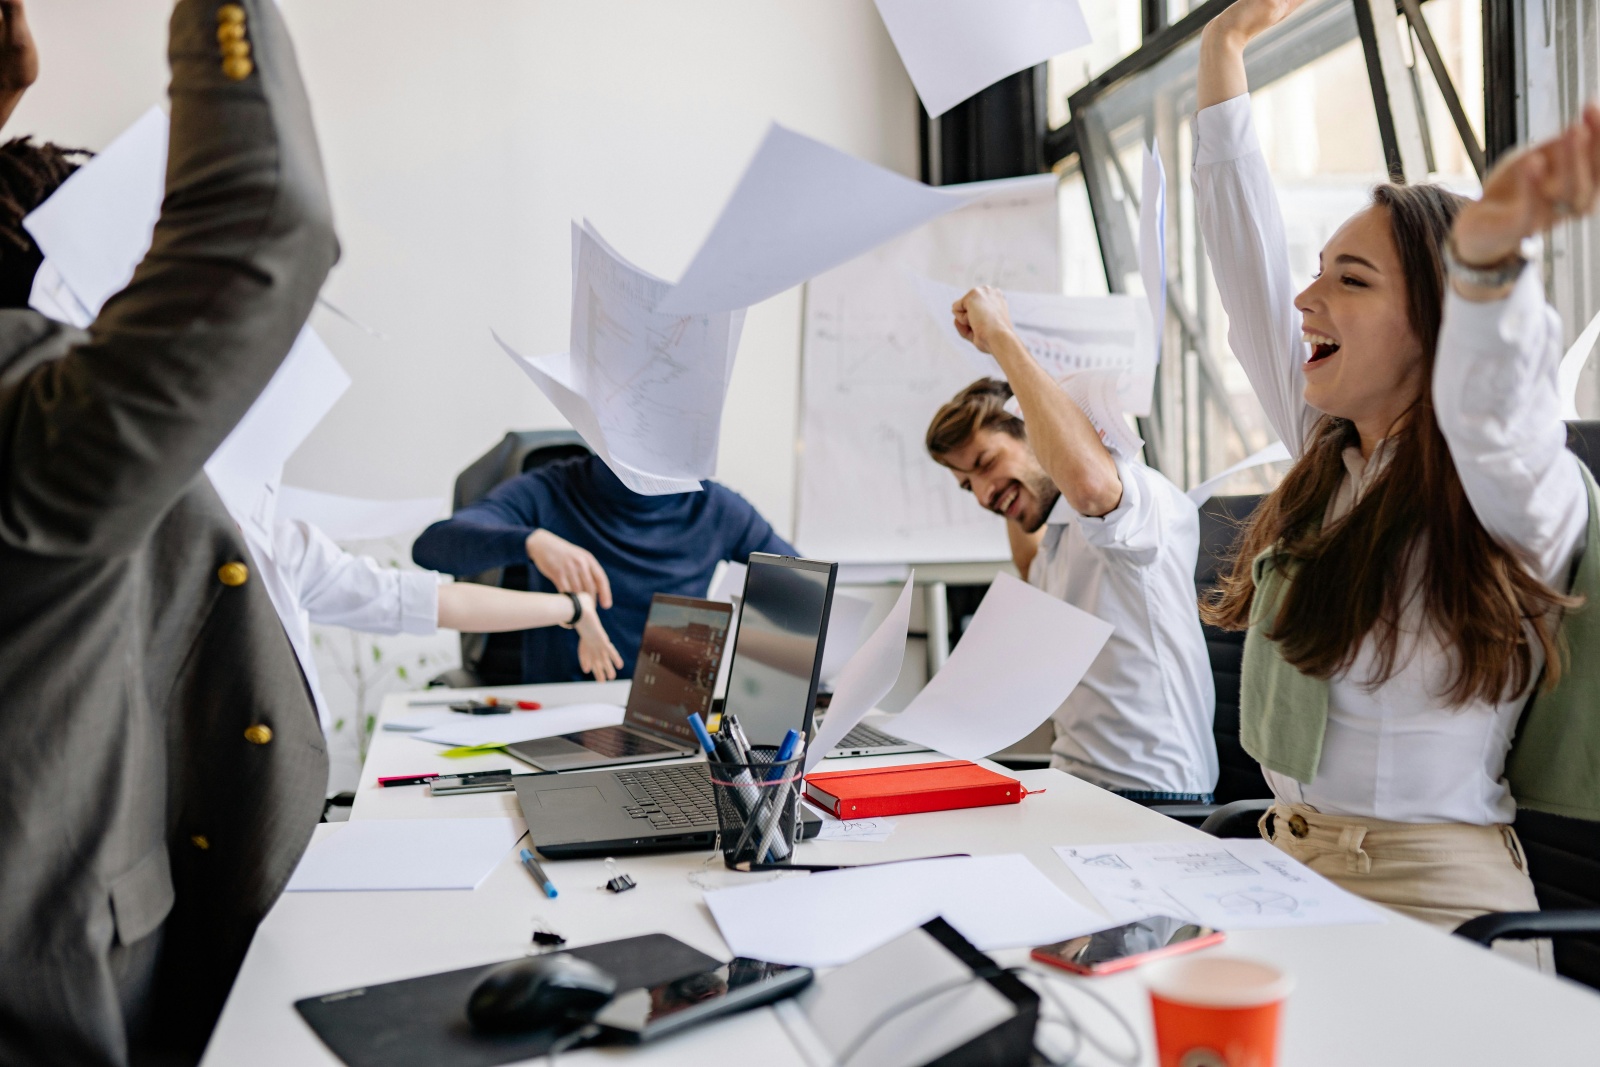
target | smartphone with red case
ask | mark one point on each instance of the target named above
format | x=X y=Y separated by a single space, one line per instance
x=1121 y=947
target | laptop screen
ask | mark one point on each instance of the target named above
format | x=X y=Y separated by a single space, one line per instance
x=772 y=685
x=679 y=656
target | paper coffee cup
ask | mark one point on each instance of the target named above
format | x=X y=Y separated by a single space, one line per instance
x=1217 y=1011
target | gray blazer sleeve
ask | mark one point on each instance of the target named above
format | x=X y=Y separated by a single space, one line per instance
x=97 y=445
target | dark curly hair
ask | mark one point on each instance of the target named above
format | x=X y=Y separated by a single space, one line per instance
x=29 y=173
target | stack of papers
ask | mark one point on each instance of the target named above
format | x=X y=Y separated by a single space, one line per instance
x=825 y=920
x=379 y=854
x=1229 y=884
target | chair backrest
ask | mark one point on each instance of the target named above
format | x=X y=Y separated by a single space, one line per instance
x=1564 y=862
x=497 y=658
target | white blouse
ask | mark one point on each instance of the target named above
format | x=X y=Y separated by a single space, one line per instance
x=1399 y=752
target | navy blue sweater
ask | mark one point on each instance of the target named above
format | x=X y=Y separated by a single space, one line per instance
x=646 y=544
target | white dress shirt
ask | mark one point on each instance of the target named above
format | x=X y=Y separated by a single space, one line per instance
x=1398 y=751
x=311 y=579
x=1141 y=717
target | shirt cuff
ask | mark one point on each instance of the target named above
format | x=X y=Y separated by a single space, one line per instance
x=419 y=602
x=1225 y=132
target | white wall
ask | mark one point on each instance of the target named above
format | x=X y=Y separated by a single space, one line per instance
x=460 y=140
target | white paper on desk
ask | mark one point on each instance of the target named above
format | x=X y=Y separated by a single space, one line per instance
x=1277 y=452
x=867 y=830
x=97 y=226
x=1230 y=884
x=378 y=854
x=828 y=919
x=1571 y=367
x=955 y=48
x=1153 y=242
x=348 y=518
x=865 y=679
x=1023 y=652
x=801 y=208
x=522 y=725
x=247 y=468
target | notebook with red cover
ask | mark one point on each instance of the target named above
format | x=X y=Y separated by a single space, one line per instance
x=866 y=794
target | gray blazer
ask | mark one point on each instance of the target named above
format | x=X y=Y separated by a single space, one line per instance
x=161 y=760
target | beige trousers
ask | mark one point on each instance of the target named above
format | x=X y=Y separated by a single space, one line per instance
x=1440 y=873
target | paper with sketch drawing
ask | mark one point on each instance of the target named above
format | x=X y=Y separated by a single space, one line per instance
x=377 y=854
x=955 y=48
x=865 y=679
x=1229 y=884
x=800 y=208
x=348 y=518
x=1023 y=652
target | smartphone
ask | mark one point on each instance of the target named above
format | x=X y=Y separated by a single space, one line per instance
x=1121 y=947
x=642 y=1015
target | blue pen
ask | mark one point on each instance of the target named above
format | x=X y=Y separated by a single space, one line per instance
x=785 y=754
x=539 y=876
x=698 y=725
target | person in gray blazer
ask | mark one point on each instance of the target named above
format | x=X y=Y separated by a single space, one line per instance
x=163 y=766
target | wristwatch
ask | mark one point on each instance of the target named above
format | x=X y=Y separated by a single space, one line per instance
x=1494 y=276
x=577 y=612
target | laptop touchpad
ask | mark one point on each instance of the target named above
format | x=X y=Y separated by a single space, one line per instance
x=578 y=796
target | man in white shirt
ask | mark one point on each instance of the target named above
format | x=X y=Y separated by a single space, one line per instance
x=1109 y=536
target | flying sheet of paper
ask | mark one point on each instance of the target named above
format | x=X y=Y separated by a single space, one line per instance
x=1153 y=242
x=846 y=618
x=522 y=725
x=1277 y=452
x=801 y=208
x=348 y=518
x=1230 y=884
x=954 y=48
x=247 y=468
x=829 y=919
x=375 y=854
x=53 y=297
x=1571 y=367
x=1023 y=652
x=97 y=226
x=865 y=679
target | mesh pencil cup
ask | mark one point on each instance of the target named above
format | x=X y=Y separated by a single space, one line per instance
x=758 y=806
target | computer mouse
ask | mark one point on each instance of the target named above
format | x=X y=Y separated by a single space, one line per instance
x=541 y=992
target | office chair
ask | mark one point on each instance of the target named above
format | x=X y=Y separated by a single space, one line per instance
x=496 y=659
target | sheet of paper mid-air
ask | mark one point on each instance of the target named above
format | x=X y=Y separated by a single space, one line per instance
x=866 y=679
x=348 y=518
x=1153 y=242
x=800 y=208
x=1571 y=367
x=1277 y=452
x=954 y=48
x=979 y=703
x=1229 y=884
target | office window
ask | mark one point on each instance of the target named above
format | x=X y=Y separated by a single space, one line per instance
x=1116 y=29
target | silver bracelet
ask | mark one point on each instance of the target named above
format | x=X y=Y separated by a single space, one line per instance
x=1496 y=276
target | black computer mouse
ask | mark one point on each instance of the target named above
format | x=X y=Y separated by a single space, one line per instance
x=541 y=992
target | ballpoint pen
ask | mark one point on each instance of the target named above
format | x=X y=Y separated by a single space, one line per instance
x=539 y=876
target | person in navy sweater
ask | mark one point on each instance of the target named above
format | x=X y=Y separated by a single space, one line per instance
x=586 y=532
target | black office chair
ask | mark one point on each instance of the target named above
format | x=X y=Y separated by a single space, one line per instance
x=496 y=659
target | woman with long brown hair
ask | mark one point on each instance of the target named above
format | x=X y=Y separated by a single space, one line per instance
x=1406 y=589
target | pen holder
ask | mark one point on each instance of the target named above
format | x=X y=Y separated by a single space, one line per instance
x=758 y=806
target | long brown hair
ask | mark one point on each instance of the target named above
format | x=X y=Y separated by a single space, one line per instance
x=1352 y=575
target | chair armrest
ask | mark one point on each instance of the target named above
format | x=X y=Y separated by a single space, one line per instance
x=1189 y=814
x=1237 y=819
x=1525 y=925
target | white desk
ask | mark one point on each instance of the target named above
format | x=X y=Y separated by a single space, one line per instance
x=1397 y=993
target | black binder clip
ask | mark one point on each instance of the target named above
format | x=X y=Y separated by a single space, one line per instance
x=618 y=882
x=544 y=938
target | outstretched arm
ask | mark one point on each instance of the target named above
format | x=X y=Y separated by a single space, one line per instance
x=485 y=609
x=101 y=442
x=19 y=59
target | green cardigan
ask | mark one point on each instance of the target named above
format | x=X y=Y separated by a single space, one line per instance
x=1554 y=765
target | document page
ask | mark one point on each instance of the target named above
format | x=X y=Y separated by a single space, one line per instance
x=374 y=854
x=348 y=518
x=865 y=679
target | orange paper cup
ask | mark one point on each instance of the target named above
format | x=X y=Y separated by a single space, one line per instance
x=1217 y=1011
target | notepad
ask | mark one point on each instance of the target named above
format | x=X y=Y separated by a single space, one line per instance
x=383 y=854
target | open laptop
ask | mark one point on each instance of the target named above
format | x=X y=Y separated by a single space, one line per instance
x=772 y=688
x=679 y=656
x=864 y=740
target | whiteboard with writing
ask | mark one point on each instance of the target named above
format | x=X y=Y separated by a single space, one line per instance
x=876 y=367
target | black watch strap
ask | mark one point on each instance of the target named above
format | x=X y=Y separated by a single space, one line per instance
x=577 y=611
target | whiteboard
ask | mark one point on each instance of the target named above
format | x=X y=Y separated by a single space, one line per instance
x=875 y=368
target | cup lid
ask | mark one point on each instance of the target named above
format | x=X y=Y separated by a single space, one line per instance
x=1219 y=982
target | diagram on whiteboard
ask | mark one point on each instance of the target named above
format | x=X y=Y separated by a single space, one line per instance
x=875 y=370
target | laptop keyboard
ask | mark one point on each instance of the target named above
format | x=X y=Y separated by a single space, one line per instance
x=864 y=736
x=672 y=798
x=615 y=741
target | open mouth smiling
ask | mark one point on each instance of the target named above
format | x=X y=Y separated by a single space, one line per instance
x=1007 y=499
x=1322 y=346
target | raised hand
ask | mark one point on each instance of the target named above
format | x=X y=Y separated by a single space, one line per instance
x=1222 y=74
x=570 y=568
x=19 y=58
x=982 y=316
x=596 y=654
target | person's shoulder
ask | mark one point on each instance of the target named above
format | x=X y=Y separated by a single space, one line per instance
x=722 y=496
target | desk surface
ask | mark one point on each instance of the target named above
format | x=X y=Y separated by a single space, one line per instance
x=1397 y=993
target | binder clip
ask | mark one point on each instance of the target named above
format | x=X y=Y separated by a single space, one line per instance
x=544 y=938
x=616 y=881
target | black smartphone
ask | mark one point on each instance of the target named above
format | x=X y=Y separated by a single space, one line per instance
x=640 y=1015
x=1120 y=947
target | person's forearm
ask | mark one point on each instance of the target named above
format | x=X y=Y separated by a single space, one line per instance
x=1061 y=435
x=483 y=609
x=461 y=546
x=1222 y=73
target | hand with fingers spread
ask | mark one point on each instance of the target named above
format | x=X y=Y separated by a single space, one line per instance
x=570 y=568
x=1529 y=192
x=596 y=654
x=19 y=58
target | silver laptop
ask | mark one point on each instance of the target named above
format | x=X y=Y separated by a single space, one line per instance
x=675 y=675
x=864 y=740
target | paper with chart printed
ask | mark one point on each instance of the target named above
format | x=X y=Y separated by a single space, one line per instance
x=875 y=369
x=1226 y=883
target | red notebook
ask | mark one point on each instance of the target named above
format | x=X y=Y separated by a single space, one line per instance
x=866 y=794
